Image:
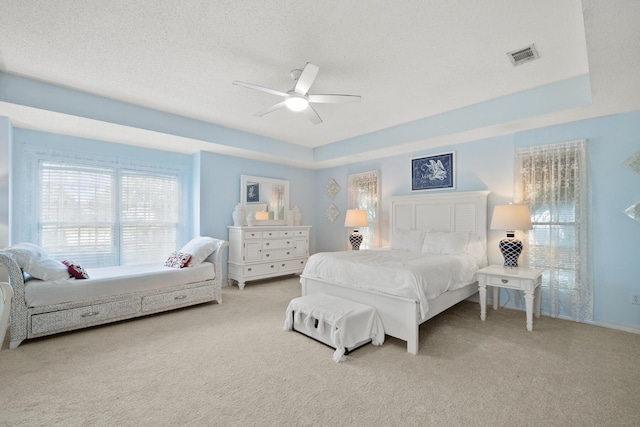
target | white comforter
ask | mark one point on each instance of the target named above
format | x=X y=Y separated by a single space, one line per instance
x=407 y=274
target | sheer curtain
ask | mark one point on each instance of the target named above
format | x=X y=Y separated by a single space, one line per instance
x=553 y=180
x=364 y=193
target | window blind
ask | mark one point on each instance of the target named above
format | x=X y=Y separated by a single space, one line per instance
x=107 y=215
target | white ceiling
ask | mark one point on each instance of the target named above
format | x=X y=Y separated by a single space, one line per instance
x=408 y=60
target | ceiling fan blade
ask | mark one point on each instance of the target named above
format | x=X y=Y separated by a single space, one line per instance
x=312 y=115
x=334 y=99
x=306 y=78
x=268 y=110
x=260 y=88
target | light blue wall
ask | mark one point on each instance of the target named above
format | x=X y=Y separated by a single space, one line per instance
x=485 y=164
x=214 y=179
x=69 y=144
x=31 y=93
x=219 y=190
x=6 y=132
x=616 y=237
x=488 y=165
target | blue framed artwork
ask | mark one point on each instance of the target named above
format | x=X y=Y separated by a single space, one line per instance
x=253 y=192
x=435 y=172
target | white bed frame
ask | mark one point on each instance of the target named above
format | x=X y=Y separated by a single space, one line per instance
x=459 y=211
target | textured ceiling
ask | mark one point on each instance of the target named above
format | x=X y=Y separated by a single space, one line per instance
x=408 y=60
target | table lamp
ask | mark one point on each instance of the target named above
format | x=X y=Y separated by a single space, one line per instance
x=356 y=218
x=511 y=218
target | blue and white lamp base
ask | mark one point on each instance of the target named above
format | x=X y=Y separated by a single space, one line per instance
x=355 y=239
x=511 y=249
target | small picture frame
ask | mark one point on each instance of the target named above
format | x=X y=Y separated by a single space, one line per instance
x=253 y=192
x=436 y=172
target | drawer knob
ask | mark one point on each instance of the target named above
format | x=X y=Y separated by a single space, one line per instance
x=180 y=297
x=249 y=269
x=267 y=243
x=283 y=265
x=268 y=255
x=288 y=253
x=90 y=314
x=273 y=266
x=505 y=281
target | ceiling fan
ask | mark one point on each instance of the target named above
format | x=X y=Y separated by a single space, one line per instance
x=299 y=98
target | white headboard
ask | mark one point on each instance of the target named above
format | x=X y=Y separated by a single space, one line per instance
x=459 y=211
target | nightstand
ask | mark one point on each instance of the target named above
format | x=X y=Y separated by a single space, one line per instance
x=520 y=278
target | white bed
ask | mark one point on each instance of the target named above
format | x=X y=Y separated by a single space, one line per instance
x=403 y=312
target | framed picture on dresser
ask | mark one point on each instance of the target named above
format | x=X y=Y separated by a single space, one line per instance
x=253 y=192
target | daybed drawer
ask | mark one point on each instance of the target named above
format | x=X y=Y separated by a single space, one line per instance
x=81 y=317
x=177 y=298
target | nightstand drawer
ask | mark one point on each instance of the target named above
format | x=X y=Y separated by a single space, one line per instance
x=508 y=282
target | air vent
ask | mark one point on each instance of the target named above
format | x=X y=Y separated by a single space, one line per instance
x=521 y=56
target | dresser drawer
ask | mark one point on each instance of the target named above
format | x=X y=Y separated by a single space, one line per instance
x=179 y=298
x=301 y=233
x=82 y=317
x=292 y=265
x=252 y=235
x=259 y=269
x=277 y=254
x=508 y=282
x=270 y=234
x=277 y=243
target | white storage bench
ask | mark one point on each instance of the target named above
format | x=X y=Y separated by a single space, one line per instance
x=342 y=324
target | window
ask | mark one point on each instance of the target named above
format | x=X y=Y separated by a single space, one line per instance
x=364 y=193
x=552 y=180
x=103 y=213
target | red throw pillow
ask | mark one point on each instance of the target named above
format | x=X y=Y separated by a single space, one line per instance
x=177 y=260
x=76 y=270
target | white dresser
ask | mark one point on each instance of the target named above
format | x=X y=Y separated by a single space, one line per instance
x=266 y=251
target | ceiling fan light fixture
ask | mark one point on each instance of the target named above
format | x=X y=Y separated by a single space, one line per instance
x=296 y=103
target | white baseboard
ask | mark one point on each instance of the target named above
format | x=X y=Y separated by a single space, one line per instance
x=611 y=325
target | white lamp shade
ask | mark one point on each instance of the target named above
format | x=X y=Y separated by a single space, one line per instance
x=356 y=218
x=511 y=217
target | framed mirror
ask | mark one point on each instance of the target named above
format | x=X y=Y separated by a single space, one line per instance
x=266 y=198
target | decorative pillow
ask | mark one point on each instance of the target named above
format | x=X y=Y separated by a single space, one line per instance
x=76 y=270
x=407 y=240
x=177 y=260
x=439 y=242
x=23 y=253
x=199 y=248
x=34 y=260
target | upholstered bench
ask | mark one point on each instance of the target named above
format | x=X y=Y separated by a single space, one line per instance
x=339 y=323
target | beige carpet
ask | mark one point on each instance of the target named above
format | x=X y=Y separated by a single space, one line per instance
x=233 y=365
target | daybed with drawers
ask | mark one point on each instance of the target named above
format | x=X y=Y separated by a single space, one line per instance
x=44 y=306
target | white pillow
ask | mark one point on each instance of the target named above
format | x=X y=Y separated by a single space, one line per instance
x=476 y=251
x=199 y=248
x=33 y=260
x=407 y=240
x=439 y=242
